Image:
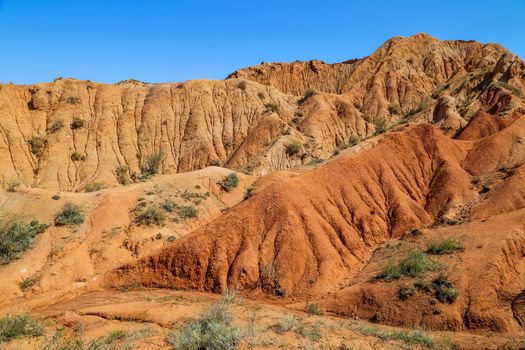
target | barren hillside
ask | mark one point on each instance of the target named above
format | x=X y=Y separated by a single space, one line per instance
x=69 y=133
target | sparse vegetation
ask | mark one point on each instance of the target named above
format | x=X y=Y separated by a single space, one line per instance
x=354 y=140
x=475 y=180
x=307 y=94
x=272 y=107
x=380 y=125
x=293 y=148
x=416 y=264
x=94 y=186
x=446 y=246
x=315 y=162
x=421 y=106
x=188 y=212
x=27 y=283
x=249 y=191
x=509 y=87
x=13 y=185
x=216 y=162
x=122 y=176
x=416 y=337
x=311 y=331
x=213 y=329
x=37 y=145
x=394 y=109
x=230 y=182
x=169 y=205
x=77 y=123
x=151 y=215
x=406 y=292
x=313 y=309
x=77 y=156
x=152 y=164
x=70 y=214
x=242 y=85
x=445 y=291
x=56 y=125
x=18 y=326
x=73 y=100
x=16 y=236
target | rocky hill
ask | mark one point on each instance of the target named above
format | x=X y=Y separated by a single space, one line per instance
x=68 y=134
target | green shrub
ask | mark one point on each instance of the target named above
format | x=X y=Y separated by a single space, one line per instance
x=216 y=162
x=122 y=176
x=188 y=212
x=169 y=205
x=313 y=309
x=77 y=123
x=475 y=180
x=73 y=100
x=405 y=292
x=394 y=109
x=151 y=215
x=285 y=324
x=446 y=246
x=308 y=330
x=354 y=140
x=445 y=291
x=423 y=285
x=307 y=94
x=55 y=197
x=389 y=272
x=16 y=237
x=70 y=214
x=18 y=326
x=94 y=186
x=231 y=181
x=249 y=191
x=27 y=283
x=77 y=156
x=272 y=107
x=380 y=125
x=12 y=186
x=416 y=264
x=152 y=164
x=509 y=87
x=56 y=126
x=37 y=145
x=242 y=85
x=422 y=105
x=213 y=329
x=293 y=148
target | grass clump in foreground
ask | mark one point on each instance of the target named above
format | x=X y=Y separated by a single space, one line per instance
x=314 y=309
x=70 y=214
x=446 y=246
x=416 y=337
x=311 y=331
x=18 y=326
x=416 y=264
x=16 y=236
x=213 y=329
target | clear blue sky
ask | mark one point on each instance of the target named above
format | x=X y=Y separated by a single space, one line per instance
x=156 y=40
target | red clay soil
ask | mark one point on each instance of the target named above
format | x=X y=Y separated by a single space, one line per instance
x=309 y=235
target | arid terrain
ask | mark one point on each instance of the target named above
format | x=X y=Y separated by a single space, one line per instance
x=376 y=203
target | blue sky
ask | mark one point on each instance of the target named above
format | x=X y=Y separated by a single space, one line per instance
x=156 y=40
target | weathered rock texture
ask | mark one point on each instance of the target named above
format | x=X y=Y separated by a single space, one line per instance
x=248 y=121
